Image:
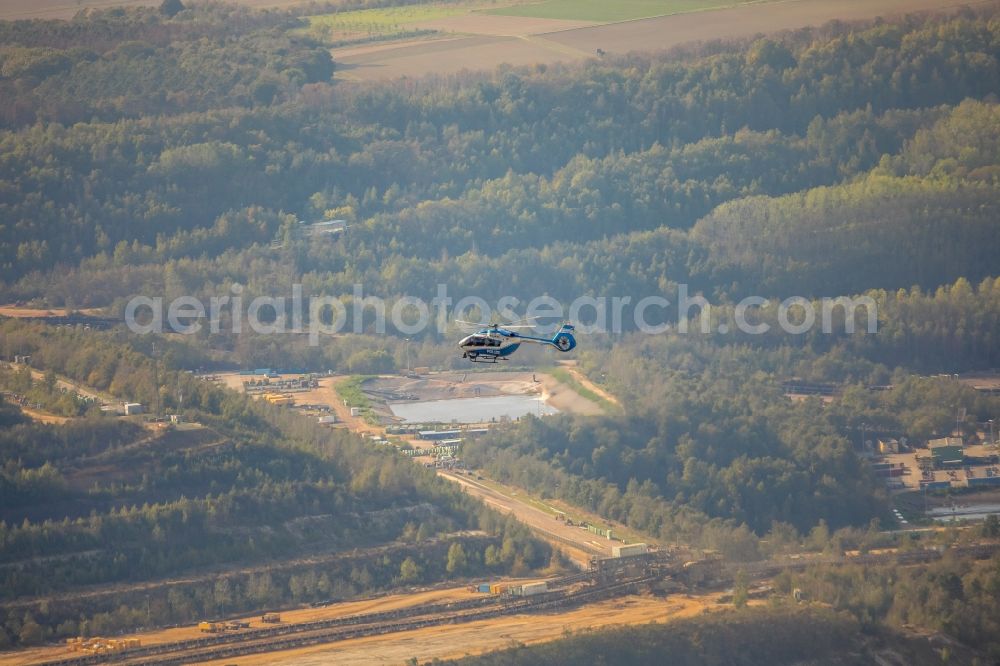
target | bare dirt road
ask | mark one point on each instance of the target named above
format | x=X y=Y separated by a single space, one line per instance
x=449 y=641
x=157 y=637
x=577 y=543
x=490 y=48
x=69 y=385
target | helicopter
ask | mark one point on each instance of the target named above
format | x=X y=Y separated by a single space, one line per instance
x=496 y=342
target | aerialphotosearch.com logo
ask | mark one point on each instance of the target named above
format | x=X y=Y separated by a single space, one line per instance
x=325 y=316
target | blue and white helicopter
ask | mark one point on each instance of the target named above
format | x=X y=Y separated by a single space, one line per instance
x=496 y=342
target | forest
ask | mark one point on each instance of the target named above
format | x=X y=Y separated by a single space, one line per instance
x=440 y=180
x=840 y=623
x=99 y=502
x=169 y=153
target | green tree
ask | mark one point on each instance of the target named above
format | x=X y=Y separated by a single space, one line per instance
x=740 y=590
x=457 y=559
x=171 y=8
x=409 y=571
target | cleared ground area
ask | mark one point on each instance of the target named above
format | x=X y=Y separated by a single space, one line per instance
x=434 y=386
x=488 y=50
x=606 y=12
x=477 y=637
x=378 y=604
x=575 y=542
x=511 y=26
x=743 y=21
x=449 y=56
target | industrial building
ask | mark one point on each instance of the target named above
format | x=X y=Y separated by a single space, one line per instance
x=887 y=446
x=947 y=451
x=433 y=435
x=629 y=550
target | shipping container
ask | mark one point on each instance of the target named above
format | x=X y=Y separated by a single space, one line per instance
x=484 y=588
x=270 y=618
x=211 y=627
x=439 y=434
x=499 y=588
x=529 y=589
x=985 y=481
x=629 y=550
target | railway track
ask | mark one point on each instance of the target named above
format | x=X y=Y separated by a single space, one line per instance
x=359 y=626
x=542 y=602
x=609 y=579
x=275 y=632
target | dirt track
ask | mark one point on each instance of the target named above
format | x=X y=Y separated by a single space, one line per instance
x=488 y=51
x=377 y=604
x=578 y=544
x=477 y=637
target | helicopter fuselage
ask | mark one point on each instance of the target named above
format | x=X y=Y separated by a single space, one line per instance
x=494 y=344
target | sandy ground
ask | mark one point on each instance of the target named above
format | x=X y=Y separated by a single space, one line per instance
x=509 y=26
x=450 y=641
x=44 y=417
x=18 y=311
x=742 y=21
x=389 y=602
x=578 y=544
x=566 y=399
x=447 y=385
x=441 y=641
x=451 y=56
x=571 y=367
x=981 y=380
x=484 y=52
x=442 y=386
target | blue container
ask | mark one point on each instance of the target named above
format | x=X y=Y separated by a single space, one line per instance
x=985 y=481
x=484 y=587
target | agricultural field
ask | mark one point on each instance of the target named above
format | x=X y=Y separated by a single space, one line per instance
x=483 y=45
x=378 y=24
x=606 y=12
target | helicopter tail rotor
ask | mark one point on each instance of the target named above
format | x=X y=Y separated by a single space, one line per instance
x=563 y=339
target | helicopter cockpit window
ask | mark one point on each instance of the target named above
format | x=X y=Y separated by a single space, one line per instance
x=494 y=342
